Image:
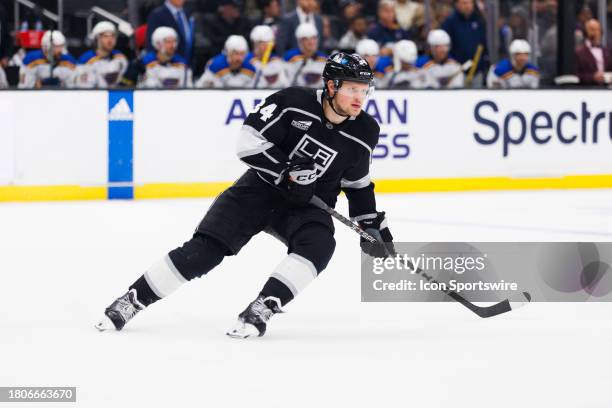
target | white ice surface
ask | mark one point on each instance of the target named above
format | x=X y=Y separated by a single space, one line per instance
x=62 y=263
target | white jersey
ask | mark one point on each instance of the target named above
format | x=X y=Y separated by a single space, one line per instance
x=96 y=72
x=302 y=71
x=503 y=75
x=409 y=79
x=170 y=74
x=3 y=81
x=219 y=75
x=272 y=75
x=36 y=71
x=444 y=75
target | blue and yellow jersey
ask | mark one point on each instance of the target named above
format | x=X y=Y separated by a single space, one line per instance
x=384 y=65
x=220 y=67
x=250 y=58
x=425 y=61
x=150 y=60
x=37 y=57
x=295 y=54
x=504 y=69
x=90 y=57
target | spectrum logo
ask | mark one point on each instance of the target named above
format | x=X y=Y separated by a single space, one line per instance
x=514 y=128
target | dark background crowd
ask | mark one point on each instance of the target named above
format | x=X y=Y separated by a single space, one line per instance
x=204 y=25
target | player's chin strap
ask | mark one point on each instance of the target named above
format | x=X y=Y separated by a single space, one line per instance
x=330 y=99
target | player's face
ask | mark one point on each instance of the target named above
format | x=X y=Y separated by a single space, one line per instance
x=169 y=46
x=351 y=96
x=520 y=60
x=107 y=41
x=309 y=45
x=235 y=59
x=57 y=50
x=439 y=52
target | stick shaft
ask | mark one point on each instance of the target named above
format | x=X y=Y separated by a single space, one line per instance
x=501 y=307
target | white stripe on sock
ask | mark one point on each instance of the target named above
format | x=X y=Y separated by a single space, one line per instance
x=163 y=277
x=296 y=272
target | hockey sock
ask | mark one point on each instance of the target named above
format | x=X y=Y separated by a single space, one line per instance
x=195 y=258
x=289 y=278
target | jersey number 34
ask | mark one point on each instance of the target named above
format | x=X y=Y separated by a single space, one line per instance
x=266 y=111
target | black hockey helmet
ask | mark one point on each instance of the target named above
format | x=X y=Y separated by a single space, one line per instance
x=347 y=67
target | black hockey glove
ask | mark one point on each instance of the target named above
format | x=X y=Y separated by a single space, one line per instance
x=377 y=227
x=300 y=180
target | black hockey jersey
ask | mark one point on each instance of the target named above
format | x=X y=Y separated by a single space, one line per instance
x=290 y=123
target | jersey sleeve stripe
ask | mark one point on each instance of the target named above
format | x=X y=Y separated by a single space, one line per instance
x=354 y=139
x=361 y=183
x=251 y=142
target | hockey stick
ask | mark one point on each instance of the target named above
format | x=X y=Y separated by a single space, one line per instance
x=475 y=62
x=504 y=306
x=264 y=61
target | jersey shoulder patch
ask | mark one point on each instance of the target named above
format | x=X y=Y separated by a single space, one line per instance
x=422 y=61
x=86 y=57
x=248 y=68
x=503 y=67
x=293 y=55
x=34 y=56
x=532 y=69
x=178 y=59
x=149 y=58
x=384 y=64
x=67 y=59
x=321 y=56
x=117 y=54
x=218 y=63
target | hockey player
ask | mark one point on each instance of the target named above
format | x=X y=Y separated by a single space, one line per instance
x=52 y=65
x=272 y=73
x=405 y=74
x=443 y=71
x=516 y=72
x=381 y=65
x=104 y=66
x=164 y=68
x=230 y=69
x=305 y=64
x=298 y=143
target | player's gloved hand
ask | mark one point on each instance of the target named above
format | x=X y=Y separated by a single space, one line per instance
x=378 y=228
x=300 y=180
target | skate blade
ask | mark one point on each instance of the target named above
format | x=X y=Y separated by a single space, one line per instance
x=242 y=331
x=105 y=324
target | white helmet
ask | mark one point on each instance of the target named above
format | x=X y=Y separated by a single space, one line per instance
x=367 y=47
x=160 y=34
x=306 y=30
x=404 y=51
x=236 y=43
x=103 y=27
x=262 y=33
x=438 y=37
x=519 y=47
x=55 y=37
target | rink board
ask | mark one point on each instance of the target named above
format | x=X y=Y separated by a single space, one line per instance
x=57 y=145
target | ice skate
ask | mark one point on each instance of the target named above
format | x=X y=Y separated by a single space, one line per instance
x=120 y=312
x=253 y=320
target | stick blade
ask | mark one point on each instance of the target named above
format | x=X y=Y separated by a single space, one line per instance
x=514 y=302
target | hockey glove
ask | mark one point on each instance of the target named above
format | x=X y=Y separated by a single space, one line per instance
x=300 y=180
x=377 y=227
